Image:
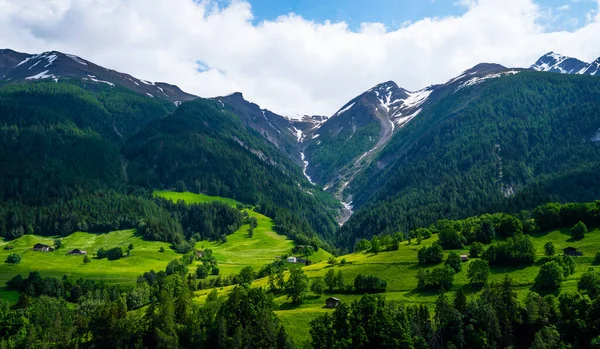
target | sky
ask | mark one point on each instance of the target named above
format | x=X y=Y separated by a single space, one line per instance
x=298 y=57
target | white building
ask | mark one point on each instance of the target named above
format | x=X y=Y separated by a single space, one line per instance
x=291 y=259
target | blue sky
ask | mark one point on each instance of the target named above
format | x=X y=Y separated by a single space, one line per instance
x=561 y=14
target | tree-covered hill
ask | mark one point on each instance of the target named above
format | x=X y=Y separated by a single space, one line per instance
x=71 y=139
x=203 y=148
x=511 y=142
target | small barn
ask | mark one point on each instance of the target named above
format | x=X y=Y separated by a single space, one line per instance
x=42 y=248
x=291 y=259
x=572 y=251
x=464 y=257
x=77 y=251
x=332 y=302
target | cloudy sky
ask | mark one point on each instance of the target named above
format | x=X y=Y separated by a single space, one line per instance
x=301 y=56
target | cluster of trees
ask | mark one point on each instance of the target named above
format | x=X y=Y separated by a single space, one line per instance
x=100 y=212
x=114 y=253
x=553 y=271
x=67 y=288
x=430 y=255
x=494 y=319
x=385 y=242
x=517 y=250
x=369 y=284
x=171 y=319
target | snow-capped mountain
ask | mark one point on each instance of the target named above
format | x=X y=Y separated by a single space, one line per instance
x=54 y=65
x=593 y=68
x=557 y=63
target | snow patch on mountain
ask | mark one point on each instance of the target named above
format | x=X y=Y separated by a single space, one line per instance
x=76 y=59
x=42 y=75
x=345 y=109
x=478 y=80
x=93 y=78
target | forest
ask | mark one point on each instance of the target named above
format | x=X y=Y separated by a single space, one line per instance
x=506 y=145
x=80 y=156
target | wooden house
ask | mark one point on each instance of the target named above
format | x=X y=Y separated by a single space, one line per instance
x=77 y=251
x=332 y=302
x=464 y=258
x=42 y=248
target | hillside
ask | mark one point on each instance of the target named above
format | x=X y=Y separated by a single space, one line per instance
x=123 y=272
x=240 y=250
x=399 y=268
x=483 y=147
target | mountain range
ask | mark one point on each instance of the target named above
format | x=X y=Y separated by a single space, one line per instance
x=388 y=160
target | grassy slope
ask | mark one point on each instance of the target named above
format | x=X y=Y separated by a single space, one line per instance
x=144 y=257
x=399 y=269
x=240 y=250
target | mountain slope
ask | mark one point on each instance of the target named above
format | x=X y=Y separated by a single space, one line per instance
x=204 y=148
x=54 y=65
x=350 y=141
x=275 y=128
x=477 y=148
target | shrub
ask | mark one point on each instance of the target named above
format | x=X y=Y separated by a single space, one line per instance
x=430 y=255
x=317 y=286
x=476 y=250
x=454 y=261
x=590 y=283
x=86 y=259
x=485 y=232
x=578 y=231
x=215 y=271
x=362 y=245
x=425 y=233
x=13 y=259
x=597 y=258
x=450 y=238
x=514 y=251
x=438 y=278
x=201 y=272
x=478 y=272
x=369 y=284
x=114 y=254
x=549 y=249
x=101 y=254
x=550 y=276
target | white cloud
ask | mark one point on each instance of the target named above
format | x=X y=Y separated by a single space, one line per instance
x=565 y=7
x=290 y=65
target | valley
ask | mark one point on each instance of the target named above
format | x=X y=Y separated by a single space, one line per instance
x=235 y=224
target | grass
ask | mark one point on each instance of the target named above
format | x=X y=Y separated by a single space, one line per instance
x=192 y=198
x=399 y=269
x=240 y=250
x=144 y=257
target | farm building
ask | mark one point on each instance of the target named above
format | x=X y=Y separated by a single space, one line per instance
x=464 y=257
x=42 y=248
x=332 y=302
x=291 y=259
x=572 y=251
x=77 y=251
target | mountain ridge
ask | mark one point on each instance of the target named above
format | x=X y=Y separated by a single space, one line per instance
x=55 y=65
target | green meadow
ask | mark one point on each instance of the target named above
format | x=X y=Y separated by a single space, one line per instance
x=240 y=250
x=124 y=272
x=399 y=269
